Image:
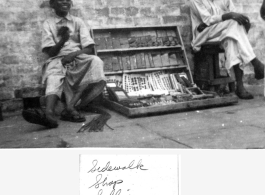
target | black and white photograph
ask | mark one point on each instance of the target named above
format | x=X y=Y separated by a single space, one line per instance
x=132 y=74
x=82 y=77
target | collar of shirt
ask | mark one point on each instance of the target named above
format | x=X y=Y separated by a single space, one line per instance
x=58 y=18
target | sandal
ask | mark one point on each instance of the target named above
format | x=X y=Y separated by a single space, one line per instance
x=37 y=116
x=72 y=116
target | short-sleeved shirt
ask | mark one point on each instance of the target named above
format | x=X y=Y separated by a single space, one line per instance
x=79 y=33
x=209 y=12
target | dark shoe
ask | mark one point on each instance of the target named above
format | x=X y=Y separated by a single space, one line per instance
x=37 y=116
x=244 y=95
x=72 y=116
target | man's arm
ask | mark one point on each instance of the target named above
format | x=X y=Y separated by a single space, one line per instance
x=240 y=18
x=208 y=19
x=233 y=15
x=86 y=41
x=70 y=57
x=200 y=10
x=54 y=50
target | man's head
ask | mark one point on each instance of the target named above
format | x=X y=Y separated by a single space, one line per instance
x=61 y=7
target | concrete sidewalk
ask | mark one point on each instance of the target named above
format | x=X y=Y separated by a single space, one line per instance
x=238 y=126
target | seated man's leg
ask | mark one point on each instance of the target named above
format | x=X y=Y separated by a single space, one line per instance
x=92 y=91
x=53 y=78
x=46 y=118
x=213 y=33
x=96 y=83
x=72 y=97
x=230 y=29
x=238 y=50
x=258 y=68
x=96 y=86
x=92 y=83
x=246 y=53
x=240 y=89
x=234 y=61
x=54 y=88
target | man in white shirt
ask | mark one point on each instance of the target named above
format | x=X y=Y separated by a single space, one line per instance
x=72 y=68
x=217 y=20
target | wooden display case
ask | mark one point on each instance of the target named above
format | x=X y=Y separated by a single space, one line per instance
x=147 y=50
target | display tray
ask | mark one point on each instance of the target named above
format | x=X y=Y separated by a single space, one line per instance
x=180 y=106
x=150 y=59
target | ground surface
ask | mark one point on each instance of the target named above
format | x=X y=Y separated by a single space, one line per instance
x=239 y=126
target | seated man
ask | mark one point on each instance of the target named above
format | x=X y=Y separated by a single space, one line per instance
x=72 y=68
x=216 y=20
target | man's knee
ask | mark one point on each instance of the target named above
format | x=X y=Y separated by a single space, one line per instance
x=54 y=85
x=97 y=60
x=232 y=23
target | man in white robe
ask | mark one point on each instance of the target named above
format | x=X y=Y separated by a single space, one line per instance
x=217 y=20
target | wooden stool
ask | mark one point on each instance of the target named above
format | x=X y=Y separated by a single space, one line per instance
x=206 y=68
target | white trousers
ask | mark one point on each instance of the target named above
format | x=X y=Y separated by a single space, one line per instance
x=233 y=38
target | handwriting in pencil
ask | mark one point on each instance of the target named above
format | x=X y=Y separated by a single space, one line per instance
x=113 y=192
x=132 y=165
x=105 y=183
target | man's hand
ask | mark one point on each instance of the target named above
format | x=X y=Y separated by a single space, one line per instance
x=64 y=32
x=69 y=58
x=66 y=37
x=247 y=26
x=201 y=27
x=240 y=18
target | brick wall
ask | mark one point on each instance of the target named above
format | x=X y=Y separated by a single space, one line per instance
x=21 y=22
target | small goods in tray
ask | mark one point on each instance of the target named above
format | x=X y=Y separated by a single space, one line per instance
x=153 y=89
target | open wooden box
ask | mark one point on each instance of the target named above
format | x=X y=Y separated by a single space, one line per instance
x=135 y=51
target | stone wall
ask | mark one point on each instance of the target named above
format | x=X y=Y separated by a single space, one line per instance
x=21 y=23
